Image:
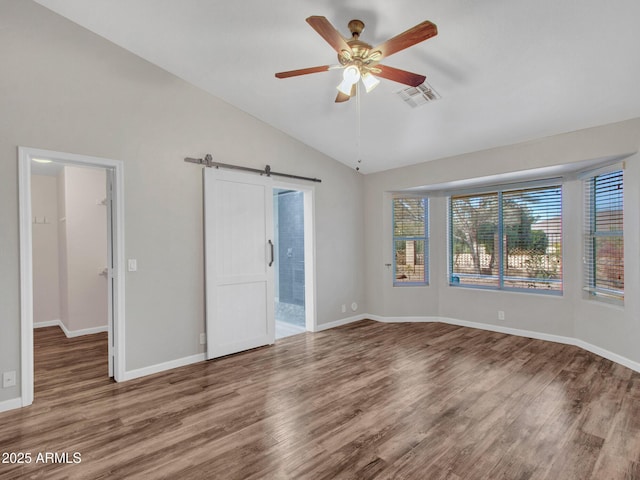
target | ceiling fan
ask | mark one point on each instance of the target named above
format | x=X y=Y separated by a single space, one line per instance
x=360 y=60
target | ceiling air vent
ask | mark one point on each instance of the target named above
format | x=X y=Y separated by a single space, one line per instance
x=416 y=96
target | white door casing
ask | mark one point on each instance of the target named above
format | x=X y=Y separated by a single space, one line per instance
x=115 y=171
x=238 y=261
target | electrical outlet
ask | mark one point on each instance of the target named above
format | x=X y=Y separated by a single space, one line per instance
x=203 y=338
x=500 y=315
x=8 y=379
x=344 y=308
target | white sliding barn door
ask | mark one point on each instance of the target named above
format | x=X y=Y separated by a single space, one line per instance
x=239 y=261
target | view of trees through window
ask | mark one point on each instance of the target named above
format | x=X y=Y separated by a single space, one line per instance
x=510 y=239
x=410 y=241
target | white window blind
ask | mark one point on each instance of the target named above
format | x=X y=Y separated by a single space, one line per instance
x=410 y=241
x=474 y=227
x=532 y=230
x=508 y=240
x=604 y=239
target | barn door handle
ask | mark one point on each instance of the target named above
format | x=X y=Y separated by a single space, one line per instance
x=271 y=247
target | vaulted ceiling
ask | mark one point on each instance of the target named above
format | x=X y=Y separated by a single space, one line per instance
x=507 y=72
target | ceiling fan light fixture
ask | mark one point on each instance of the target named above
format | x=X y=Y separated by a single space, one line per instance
x=370 y=82
x=351 y=74
x=350 y=77
x=345 y=87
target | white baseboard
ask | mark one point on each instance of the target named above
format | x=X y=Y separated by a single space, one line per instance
x=84 y=331
x=49 y=323
x=338 y=323
x=71 y=333
x=614 y=357
x=161 y=367
x=379 y=318
x=11 y=404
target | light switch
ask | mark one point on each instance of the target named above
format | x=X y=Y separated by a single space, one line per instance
x=133 y=265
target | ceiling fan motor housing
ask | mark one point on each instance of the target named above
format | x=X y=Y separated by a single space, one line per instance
x=360 y=54
x=356 y=27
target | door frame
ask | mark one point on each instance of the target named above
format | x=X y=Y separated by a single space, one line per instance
x=308 y=191
x=116 y=243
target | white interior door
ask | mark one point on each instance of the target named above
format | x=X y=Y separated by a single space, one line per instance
x=239 y=261
x=110 y=267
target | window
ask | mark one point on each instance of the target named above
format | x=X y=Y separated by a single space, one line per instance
x=508 y=240
x=410 y=241
x=604 y=243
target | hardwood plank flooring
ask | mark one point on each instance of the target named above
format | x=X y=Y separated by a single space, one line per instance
x=367 y=400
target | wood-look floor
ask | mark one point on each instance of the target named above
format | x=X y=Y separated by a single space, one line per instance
x=367 y=400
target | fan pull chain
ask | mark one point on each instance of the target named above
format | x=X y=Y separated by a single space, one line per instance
x=358 y=127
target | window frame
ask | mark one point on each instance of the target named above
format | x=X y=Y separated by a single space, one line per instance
x=499 y=191
x=425 y=238
x=591 y=234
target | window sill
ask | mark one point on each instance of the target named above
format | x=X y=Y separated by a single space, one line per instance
x=530 y=291
x=603 y=299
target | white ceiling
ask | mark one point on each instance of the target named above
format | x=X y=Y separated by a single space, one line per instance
x=507 y=71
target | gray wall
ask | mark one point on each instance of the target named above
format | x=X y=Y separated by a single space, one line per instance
x=613 y=328
x=84 y=299
x=65 y=89
x=46 y=272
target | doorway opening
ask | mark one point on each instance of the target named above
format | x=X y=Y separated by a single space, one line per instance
x=71 y=249
x=290 y=286
x=69 y=252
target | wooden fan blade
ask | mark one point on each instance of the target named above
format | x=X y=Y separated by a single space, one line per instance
x=417 y=34
x=303 y=71
x=329 y=33
x=400 y=76
x=342 y=97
